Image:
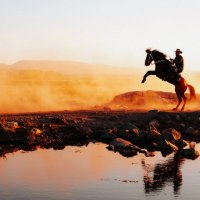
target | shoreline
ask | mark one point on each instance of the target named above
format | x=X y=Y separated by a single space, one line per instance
x=127 y=132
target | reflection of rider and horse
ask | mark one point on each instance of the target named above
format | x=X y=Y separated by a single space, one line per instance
x=163 y=174
x=167 y=71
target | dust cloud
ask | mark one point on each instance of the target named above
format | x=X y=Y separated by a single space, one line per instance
x=34 y=90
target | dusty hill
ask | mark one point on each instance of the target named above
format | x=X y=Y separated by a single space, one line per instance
x=145 y=100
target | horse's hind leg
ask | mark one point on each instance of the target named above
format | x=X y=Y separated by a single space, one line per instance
x=179 y=96
x=184 y=102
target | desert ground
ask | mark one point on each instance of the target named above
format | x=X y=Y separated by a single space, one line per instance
x=127 y=132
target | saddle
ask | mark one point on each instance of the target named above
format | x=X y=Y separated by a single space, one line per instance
x=172 y=74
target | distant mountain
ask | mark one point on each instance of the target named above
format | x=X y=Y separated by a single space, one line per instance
x=69 y=67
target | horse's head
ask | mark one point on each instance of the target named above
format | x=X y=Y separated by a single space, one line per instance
x=149 y=57
x=155 y=55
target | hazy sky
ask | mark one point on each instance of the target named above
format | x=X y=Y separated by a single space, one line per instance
x=114 y=32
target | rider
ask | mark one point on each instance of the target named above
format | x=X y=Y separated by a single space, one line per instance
x=178 y=63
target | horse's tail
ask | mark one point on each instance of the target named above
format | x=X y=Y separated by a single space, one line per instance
x=192 y=92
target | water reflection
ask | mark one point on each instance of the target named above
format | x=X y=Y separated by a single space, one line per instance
x=93 y=172
x=11 y=148
x=162 y=174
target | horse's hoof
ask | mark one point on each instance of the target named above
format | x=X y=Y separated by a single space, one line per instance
x=143 y=80
x=174 y=109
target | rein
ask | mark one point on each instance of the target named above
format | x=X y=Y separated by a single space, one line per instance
x=157 y=62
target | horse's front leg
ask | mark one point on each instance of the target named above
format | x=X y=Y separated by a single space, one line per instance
x=148 y=74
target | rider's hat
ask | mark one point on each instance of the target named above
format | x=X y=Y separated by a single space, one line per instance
x=178 y=50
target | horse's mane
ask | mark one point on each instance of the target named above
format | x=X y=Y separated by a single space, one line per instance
x=159 y=54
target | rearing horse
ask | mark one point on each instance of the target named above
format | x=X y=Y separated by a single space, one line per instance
x=164 y=70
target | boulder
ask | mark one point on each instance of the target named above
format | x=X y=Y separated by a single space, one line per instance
x=165 y=145
x=32 y=133
x=171 y=134
x=153 y=135
x=128 y=126
x=125 y=134
x=191 y=132
x=177 y=117
x=153 y=111
x=12 y=125
x=142 y=137
x=121 y=143
x=163 y=117
x=124 y=147
x=127 y=152
x=128 y=131
x=187 y=153
x=85 y=132
x=180 y=127
x=109 y=135
x=154 y=123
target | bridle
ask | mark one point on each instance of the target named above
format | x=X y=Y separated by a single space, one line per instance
x=152 y=59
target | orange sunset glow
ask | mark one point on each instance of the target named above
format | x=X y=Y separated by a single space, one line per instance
x=65 y=88
x=99 y=99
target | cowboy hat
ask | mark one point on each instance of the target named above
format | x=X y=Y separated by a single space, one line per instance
x=178 y=50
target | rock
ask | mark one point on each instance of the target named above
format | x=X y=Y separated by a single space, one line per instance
x=191 y=132
x=128 y=131
x=124 y=147
x=134 y=135
x=150 y=154
x=125 y=134
x=153 y=111
x=192 y=145
x=153 y=135
x=163 y=117
x=36 y=131
x=128 y=126
x=32 y=133
x=121 y=143
x=181 y=143
x=181 y=127
x=127 y=152
x=12 y=125
x=85 y=132
x=154 y=123
x=110 y=148
x=114 y=130
x=142 y=137
x=165 y=145
x=171 y=134
x=177 y=117
x=109 y=135
x=135 y=131
x=187 y=153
